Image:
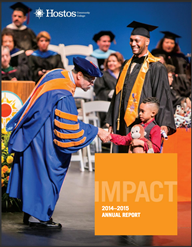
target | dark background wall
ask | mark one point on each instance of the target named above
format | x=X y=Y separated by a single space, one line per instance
x=114 y=16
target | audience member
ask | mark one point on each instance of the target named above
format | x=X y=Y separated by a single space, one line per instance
x=43 y=60
x=25 y=37
x=185 y=102
x=18 y=58
x=104 y=86
x=141 y=77
x=103 y=40
x=188 y=69
x=7 y=71
x=168 y=47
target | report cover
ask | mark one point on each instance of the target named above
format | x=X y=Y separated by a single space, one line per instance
x=122 y=199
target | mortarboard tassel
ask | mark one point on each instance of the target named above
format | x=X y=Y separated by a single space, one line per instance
x=28 y=16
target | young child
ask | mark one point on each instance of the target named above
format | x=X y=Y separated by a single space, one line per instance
x=147 y=111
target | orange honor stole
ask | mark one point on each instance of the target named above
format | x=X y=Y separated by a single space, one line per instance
x=132 y=107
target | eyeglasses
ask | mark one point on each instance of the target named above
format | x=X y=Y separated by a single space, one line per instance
x=89 y=79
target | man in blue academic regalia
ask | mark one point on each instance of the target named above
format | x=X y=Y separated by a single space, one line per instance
x=45 y=132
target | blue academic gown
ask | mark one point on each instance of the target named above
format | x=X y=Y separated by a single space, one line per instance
x=46 y=131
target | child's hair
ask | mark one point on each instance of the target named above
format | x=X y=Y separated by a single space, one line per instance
x=152 y=100
x=170 y=68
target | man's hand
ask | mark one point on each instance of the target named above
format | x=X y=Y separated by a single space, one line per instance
x=165 y=129
x=40 y=73
x=104 y=135
x=28 y=52
x=110 y=130
x=188 y=102
x=14 y=79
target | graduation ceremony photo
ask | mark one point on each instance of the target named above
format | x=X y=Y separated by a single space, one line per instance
x=96 y=123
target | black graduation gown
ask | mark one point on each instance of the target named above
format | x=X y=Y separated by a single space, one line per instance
x=25 y=39
x=155 y=85
x=102 y=87
x=37 y=63
x=100 y=62
x=20 y=62
x=181 y=83
x=176 y=98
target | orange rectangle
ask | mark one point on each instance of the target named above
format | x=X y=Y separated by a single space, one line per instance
x=135 y=194
x=180 y=143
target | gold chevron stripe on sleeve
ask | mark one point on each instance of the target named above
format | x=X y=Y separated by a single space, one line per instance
x=69 y=144
x=68 y=136
x=66 y=115
x=66 y=126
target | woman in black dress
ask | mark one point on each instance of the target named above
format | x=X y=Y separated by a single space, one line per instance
x=169 y=48
x=104 y=86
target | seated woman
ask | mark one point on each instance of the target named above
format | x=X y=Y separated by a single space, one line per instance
x=7 y=71
x=18 y=58
x=105 y=85
x=184 y=102
x=43 y=60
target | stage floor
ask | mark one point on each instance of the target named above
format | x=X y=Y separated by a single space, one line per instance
x=75 y=211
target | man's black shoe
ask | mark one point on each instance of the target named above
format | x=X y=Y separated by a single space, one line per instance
x=26 y=218
x=45 y=224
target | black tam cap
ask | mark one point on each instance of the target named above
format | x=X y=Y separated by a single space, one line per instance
x=21 y=7
x=141 y=28
x=97 y=36
x=170 y=35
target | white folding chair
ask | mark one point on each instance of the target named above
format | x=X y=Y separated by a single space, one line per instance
x=87 y=95
x=93 y=107
x=82 y=95
x=78 y=157
x=60 y=50
x=75 y=50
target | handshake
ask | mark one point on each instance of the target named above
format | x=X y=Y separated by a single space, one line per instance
x=104 y=135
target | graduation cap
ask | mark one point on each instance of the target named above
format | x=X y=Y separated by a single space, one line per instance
x=170 y=35
x=141 y=28
x=97 y=36
x=22 y=7
x=86 y=67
